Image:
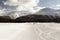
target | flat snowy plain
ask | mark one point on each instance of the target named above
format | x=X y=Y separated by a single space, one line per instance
x=29 y=31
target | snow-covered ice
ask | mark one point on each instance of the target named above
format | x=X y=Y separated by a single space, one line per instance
x=29 y=31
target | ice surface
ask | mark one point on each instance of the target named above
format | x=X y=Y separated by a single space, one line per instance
x=30 y=31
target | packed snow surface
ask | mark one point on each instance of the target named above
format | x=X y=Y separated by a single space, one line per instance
x=30 y=31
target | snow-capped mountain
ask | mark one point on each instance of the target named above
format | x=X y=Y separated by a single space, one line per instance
x=49 y=11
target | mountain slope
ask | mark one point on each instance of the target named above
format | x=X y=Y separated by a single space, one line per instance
x=48 y=11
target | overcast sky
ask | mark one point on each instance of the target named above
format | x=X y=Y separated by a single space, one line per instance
x=42 y=3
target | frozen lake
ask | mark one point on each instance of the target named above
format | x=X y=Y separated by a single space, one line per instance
x=30 y=31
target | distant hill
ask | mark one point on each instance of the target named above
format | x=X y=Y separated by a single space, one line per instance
x=35 y=18
x=30 y=18
x=44 y=15
x=6 y=19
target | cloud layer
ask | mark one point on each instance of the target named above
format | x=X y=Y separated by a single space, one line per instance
x=2 y=11
x=21 y=2
x=27 y=5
